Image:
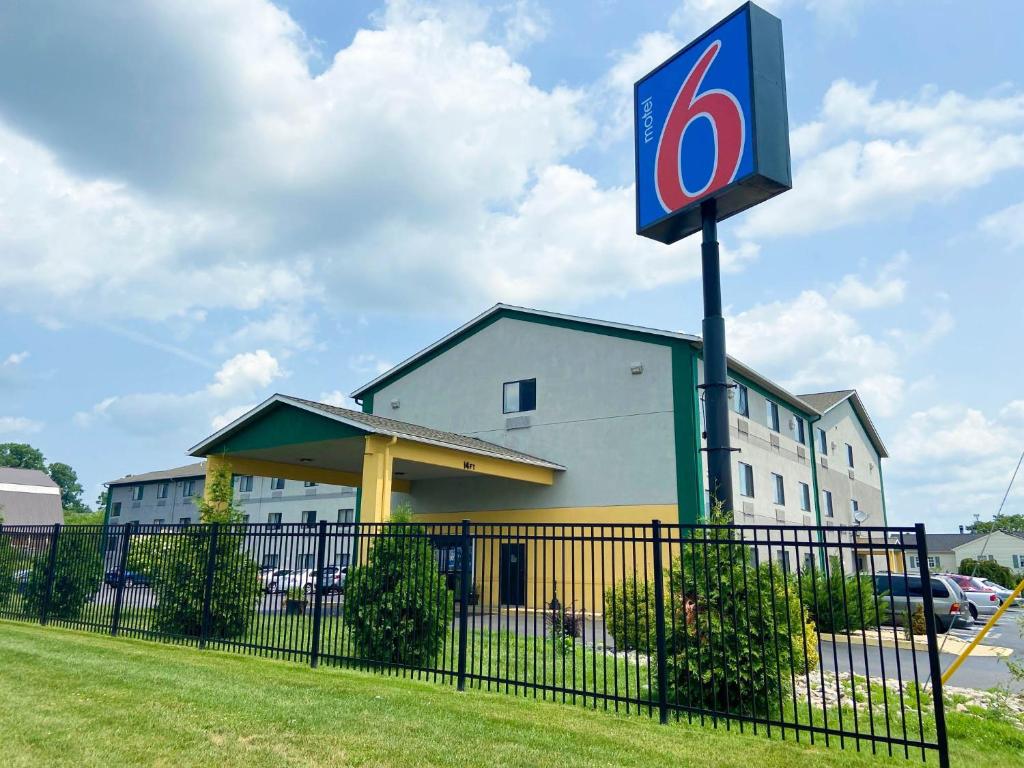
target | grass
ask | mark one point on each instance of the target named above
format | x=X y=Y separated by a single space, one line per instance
x=71 y=698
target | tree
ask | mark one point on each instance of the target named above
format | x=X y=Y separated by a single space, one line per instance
x=77 y=572
x=101 y=500
x=70 y=489
x=1013 y=523
x=988 y=569
x=21 y=456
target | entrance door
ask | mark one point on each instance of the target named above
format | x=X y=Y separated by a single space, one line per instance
x=512 y=574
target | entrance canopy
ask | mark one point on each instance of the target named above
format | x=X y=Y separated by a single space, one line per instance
x=304 y=440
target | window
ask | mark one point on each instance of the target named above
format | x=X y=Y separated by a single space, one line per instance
x=137 y=491
x=799 y=430
x=741 y=401
x=115 y=509
x=188 y=488
x=1018 y=561
x=161 y=491
x=519 y=396
x=158 y=521
x=245 y=483
x=277 y=484
x=271 y=560
x=805 y=497
x=274 y=518
x=854 y=508
x=808 y=562
x=346 y=515
x=307 y=560
x=778 y=490
x=309 y=517
x=784 y=560
x=822 y=442
x=309 y=484
x=829 y=511
x=343 y=559
x=987 y=557
x=746 y=480
x=185 y=521
x=772 y=413
x=849 y=456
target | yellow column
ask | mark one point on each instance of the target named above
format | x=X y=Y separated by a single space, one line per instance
x=213 y=464
x=377 y=474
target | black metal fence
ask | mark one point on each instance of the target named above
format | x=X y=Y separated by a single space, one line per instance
x=801 y=632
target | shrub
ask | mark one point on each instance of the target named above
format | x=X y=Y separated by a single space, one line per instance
x=564 y=626
x=176 y=565
x=77 y=571
x=839 y=603
x=629 y=615
x=397 y=605
x=737 y=637
x=914 y=623
x=8 y=558
x=988 y=569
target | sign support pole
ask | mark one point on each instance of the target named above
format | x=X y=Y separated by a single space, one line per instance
x=716 y=383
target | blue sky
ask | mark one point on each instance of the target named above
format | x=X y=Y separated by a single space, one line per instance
x=201 y=204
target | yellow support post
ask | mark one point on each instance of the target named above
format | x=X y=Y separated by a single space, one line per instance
x=984 y=631
x=375 y=500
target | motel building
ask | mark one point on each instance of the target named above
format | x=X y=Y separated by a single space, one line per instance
x=524 y=416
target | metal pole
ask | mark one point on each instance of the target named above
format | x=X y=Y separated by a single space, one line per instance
x=464 y=590
x=51 y=565
x=659 y=623
x=934 y=667
x=318 y=593
x=122 y=566
x=716 y=383
x=211 y=563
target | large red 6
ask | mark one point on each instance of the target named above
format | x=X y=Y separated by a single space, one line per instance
x=722 y=109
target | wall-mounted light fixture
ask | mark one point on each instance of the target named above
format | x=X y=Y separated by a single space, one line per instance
x=636 y=368
x=396 y=403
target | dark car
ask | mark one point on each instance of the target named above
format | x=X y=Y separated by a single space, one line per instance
x=131 y=578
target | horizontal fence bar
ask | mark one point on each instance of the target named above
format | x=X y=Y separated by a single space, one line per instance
x=801 y=632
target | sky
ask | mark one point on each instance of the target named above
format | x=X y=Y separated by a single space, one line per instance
x=205 y=203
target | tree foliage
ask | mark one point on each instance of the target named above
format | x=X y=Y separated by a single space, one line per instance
x=1014 y=523
x=988 y=569
x=176 y=564
x=78 y=569
x=21 y=456
x=398 y=605
x=70 y=489
x=630 y=615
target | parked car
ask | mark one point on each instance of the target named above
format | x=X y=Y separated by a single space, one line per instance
x=981 y=598
x=899 y=590
x=286 y=578
x=131 y=578
x=21 y=580
x=333 y=579
x=1003 y=592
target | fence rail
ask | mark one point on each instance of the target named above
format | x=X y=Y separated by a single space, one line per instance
x=803 y=632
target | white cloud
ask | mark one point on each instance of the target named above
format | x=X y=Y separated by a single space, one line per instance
x=162 y=414
x=526 y=22
x=19 y=425
x=369 y=364
x=1013 y=410
x=223 y=419
x=13 y=359
x=336 y=398
x=1007 y=225
x=865 y=157
x=694 y=16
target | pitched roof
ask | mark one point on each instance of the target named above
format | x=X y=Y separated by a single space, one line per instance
x=826 y=401
x=380 y=425
x=17 y=476
x=578 y=323
x=189 y=470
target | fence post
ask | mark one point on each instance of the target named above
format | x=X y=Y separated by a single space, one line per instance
x=464 y=592
x=934 y=666
x=51 y=565
x=659 y=623
x=122 y=566
x=211 y=562
x=318 y=593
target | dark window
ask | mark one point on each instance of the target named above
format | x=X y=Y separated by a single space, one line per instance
x=309 y=517
x=188 y=488
x=519 y=396
x=829 y=510
x=161 y=491
x=245 y=484
x=346 y=515
x=137 y=492
x=746 y=480
x=309 y=484
x=800 y=431
x=185 y=521
x=805 y=497
x=784 y=560
x=849 y=455
x=277 y=484
x=741 y=401
x=773 y=415
x=274 y=518
x=778 y=489
x=822 y=442
x=115 y=509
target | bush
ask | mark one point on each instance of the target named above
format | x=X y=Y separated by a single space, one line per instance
x=629 y=613
x=914 y=623
x=77 y=571
x=839 y=603
x=176 y=566
x=737 y=637
x=564 y=626
x=397 y=605
x=988 y=569
x=8 y=558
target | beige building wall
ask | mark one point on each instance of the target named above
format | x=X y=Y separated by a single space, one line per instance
x=1001 y=546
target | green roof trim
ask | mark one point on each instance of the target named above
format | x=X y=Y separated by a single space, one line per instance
x=282 y=424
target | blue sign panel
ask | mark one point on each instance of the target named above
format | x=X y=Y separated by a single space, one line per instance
x=711 y=123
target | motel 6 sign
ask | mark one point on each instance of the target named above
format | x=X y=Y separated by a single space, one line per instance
x=711 y=123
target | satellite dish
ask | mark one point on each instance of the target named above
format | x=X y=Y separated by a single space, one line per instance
x=860 y=516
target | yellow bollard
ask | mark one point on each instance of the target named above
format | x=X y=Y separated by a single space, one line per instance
x=984 y=631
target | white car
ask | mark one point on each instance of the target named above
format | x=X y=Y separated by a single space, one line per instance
x=1003 y=592
x=284 y=579
x=983 y=599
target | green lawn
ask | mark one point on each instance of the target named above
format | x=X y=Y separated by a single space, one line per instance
x=71 y=698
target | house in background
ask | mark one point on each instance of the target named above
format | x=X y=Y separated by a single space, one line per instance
x=947 y=550
x=29 y=497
